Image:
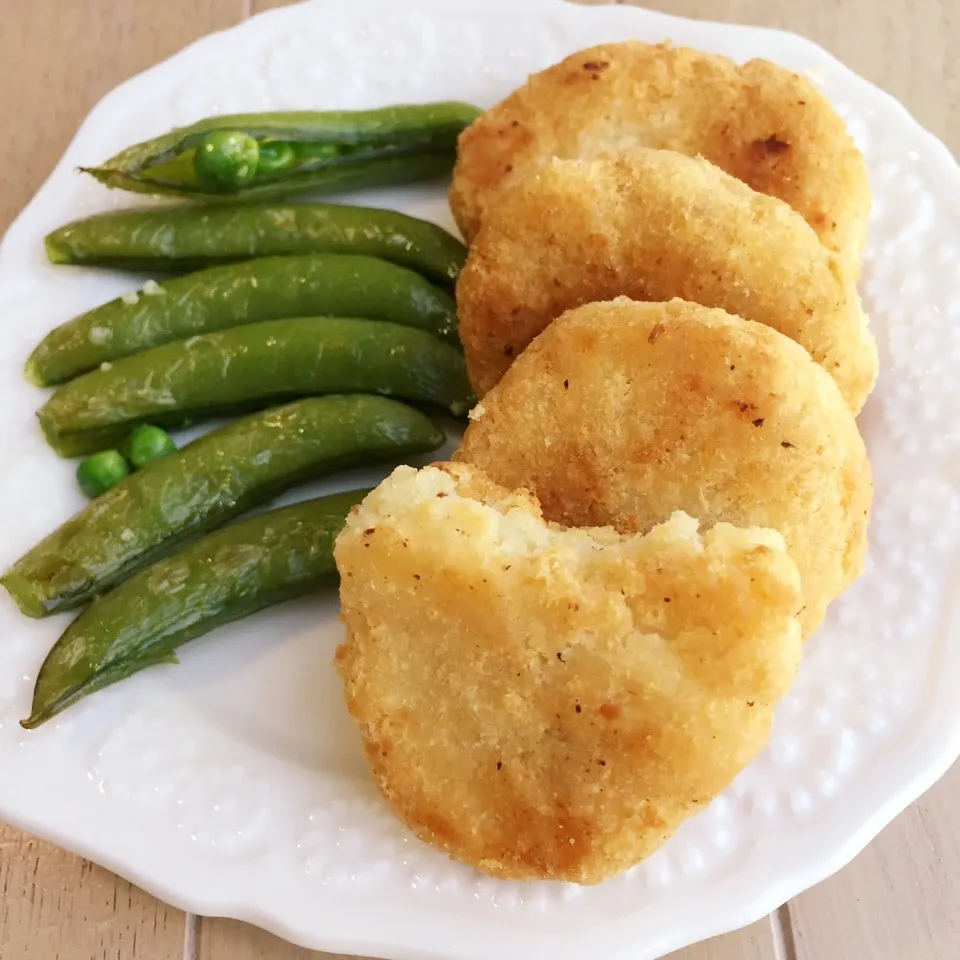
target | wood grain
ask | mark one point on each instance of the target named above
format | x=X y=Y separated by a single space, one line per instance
x=908 y=49
x=54 y=906
x=59 y=57
x=751 y=943
x=230 y=940
x=900 y=895
x=897 y=901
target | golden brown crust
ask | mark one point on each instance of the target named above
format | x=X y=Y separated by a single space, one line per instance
x=621 y=413
x=654 y=225
x=762 y=124
x=548 y=703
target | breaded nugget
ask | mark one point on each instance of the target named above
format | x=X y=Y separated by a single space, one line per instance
x=655 y=225
x=621 y=413
x=768 y=127
x=550 y=703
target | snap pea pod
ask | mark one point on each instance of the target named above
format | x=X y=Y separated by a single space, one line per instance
x=190 y=237
x=249 y=367
x=203 y=485
x=364 y=148
x=223 y=297
x=220 y=578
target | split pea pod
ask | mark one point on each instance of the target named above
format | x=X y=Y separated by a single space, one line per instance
x=250 y=367
x=191 y=237
x=223 y=297
x=222 y=577
x=206 y=483
x=305 y=151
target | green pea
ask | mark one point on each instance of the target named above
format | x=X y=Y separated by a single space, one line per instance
x=275 y=157
x=226 y=160
x=101 y=471
x=146 y=444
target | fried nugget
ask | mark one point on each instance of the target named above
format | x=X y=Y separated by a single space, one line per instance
x=621 y=413
x=768 y=127
x=549 y=703
x=655 y=225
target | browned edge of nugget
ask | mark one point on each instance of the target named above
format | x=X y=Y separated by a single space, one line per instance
x=654 y=225
x=769 y=127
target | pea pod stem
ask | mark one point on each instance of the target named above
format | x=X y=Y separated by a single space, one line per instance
x=190 y=237
x=222 y=577
x=253 y=366
x=223 y=297
x=206 y=483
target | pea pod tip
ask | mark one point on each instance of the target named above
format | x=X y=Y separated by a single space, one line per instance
x=106 y=175
x=54 y=250
x=23 y=596
x=33 y=373
x=39 y=716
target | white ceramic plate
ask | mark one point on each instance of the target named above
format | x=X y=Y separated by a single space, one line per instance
x=234 y=784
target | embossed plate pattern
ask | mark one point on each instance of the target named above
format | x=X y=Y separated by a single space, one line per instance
x=233 y=784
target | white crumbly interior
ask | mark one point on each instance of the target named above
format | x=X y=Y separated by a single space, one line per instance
x=510 y=525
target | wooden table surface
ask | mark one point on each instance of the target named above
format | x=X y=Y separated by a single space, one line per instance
x=897 y=901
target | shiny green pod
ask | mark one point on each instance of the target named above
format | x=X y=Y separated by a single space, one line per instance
x=222 y=577
x=206 y=483
x=223 y=297
x=332 y=150
x=190 y=237
x=249 y=367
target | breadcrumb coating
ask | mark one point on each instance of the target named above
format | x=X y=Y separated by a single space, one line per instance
x=621 y=413
x=762 y=124
x=543 y=702
x=654 y=225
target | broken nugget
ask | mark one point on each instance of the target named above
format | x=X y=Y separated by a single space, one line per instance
x=552 y=703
